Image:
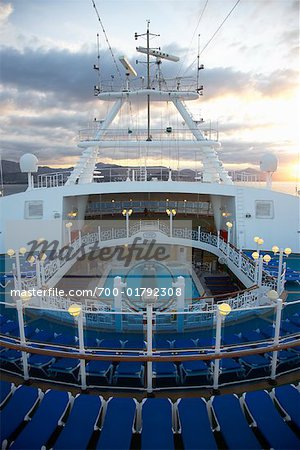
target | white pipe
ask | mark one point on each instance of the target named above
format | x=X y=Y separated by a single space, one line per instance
x=149 y=348
x=276 y=337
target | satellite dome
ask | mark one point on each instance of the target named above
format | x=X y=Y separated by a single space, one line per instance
x=28 y=163
x=268 y=163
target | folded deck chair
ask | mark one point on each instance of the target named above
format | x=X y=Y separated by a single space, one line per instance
x=233 y=424
x=16 y=410
x=269 y=422
x=132 y=370
x=80 y=424
x=98 y=368
x=5 y=391
x=194 y=423
x=44 y=421
x=118 y=424
x=288 y=397
x=157 y=432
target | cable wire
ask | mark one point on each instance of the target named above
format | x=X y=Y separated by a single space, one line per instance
x=214 y=34
x=106 y=38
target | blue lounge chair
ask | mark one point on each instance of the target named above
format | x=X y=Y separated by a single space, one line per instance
x=192 y=369
x=118 y=424
x=80 y=424
x=101 y=369
x=254 y=363
x=40 y=362
x=67 y=366
x=5 y=391
x=157 y=432
x=230 y=366
x=194 y=423
x=165 y=370
x=16 y=410
x=288 y=397
x=44 y=422
x=269 y=422
x=232 y=423
x=129 y=370
x=253 y=336
x=11 y=356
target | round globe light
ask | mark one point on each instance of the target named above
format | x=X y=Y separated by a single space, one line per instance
x=22 y=250
x=224 y=309
x=25 y=295
x=168 y=211
x=255 y=255
x=10 y=252
x=43 y=256
x=260 y=241
x=124 y=212
x=69 y=225
x=256 y=239
x=275 y=249
x=31 y=259
x=272 y=295
x=228 y=224
x=267 y=258
x=287 y=251
x=74 y=310
x=174 y=212
x=130 y=212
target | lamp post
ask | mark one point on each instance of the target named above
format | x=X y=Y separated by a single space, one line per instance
x=229 y=226
x=127 y=213
x=259 y=241
x=24 y=297
x=222 y=311
x=68 y=227
x=171 y=213
x=75 y=311
x=287 y=251
x=259 y=261
x=274 y=297
x=16 y=254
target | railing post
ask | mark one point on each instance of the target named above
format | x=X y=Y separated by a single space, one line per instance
x=22 y=337
x=279 y=271
x=118 y=285
x=260 y=270
x=99 y=233
x=80 y=238
x=149 y=348
x=218 y=239
x=217 y=350
x=38 y=272
x=180 y=285
x=276 y=337
x=240 y=259
x=81 y=349
x=199 y=233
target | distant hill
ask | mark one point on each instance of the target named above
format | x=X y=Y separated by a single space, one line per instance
x=13 y=175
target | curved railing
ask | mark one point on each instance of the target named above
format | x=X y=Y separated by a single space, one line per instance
x=215 y=343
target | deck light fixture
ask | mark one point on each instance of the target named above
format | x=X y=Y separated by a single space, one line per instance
x=273 y=295
x=25 y=295
x=224 y=309
x=74 y=310
x=267 y=258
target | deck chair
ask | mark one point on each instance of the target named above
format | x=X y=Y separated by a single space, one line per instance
x=67 y=366
x=44 y=422
x=17 y=410
x=194 y=424
x=120 y=416
x=129 y=370
x=5 y=391
x=233 y=424
x=100 y=369
x=157 y=432
x=254 y=363
x=269 y=422
x=189 y=369
x=80 y=424
x=288 y=398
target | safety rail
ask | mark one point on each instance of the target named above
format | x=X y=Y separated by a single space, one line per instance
x=275 y=364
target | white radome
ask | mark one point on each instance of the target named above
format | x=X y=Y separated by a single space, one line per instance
x=268 y=163
x=28 y=163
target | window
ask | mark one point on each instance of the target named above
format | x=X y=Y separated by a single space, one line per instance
x=33 y=209
x=264 y=209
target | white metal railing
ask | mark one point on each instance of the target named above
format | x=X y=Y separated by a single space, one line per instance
x=230 y=253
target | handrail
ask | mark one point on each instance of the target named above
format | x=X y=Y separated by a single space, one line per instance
x=148 y=358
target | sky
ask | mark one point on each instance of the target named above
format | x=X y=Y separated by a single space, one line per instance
x=251 y=76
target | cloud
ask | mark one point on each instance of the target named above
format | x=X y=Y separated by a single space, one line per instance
x=5 y=11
